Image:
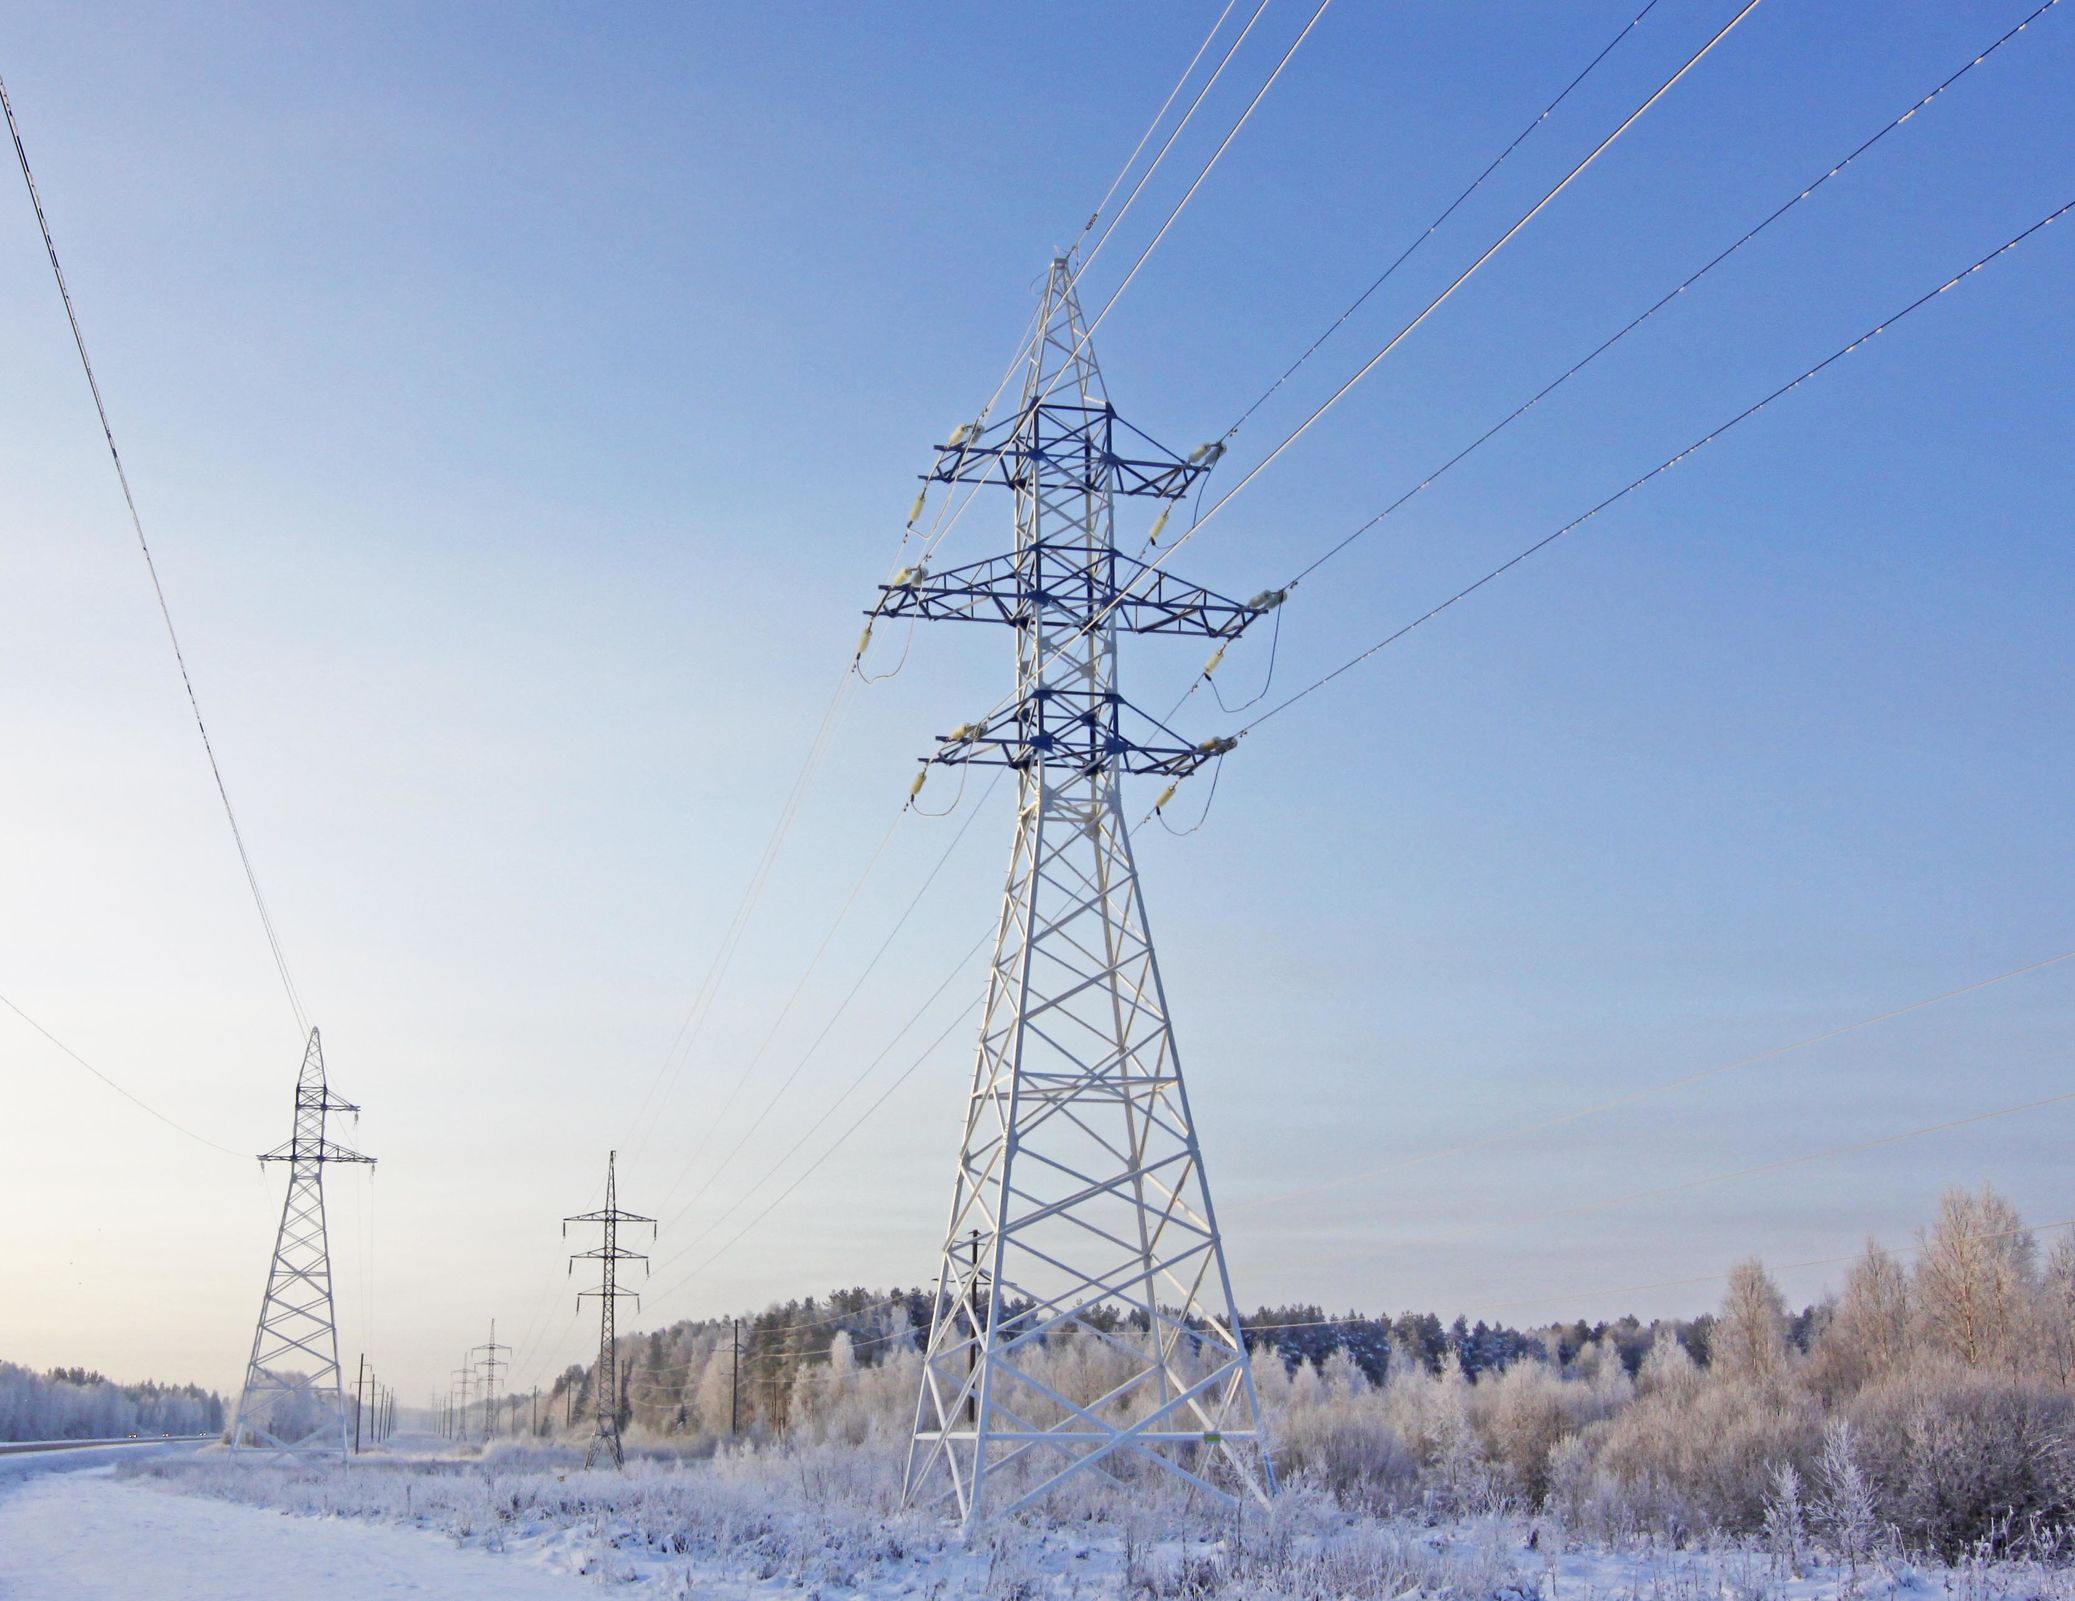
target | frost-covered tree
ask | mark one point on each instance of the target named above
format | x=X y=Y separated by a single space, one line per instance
x=1845 y=1515
x=2057 y=1313
x=1868 y=1333
x=1786 y=1522
x=1750 y=1340
x=1977 y=1281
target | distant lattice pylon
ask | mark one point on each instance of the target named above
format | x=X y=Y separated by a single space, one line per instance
x=1080 y=1211
x=293 y=1400
x=608 y=1254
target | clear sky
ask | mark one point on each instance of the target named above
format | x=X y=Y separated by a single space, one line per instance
x=524 y=401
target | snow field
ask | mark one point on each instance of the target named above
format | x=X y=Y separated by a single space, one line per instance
x=87 y=1536
x=824 y=1522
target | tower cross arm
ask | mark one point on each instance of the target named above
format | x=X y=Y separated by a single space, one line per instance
x=1137 y=596
x=321 y=1151
x=611 y=1214
x=1080 y=438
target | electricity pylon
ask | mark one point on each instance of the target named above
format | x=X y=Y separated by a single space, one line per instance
x=293 y=1400
x=608 y=1254
x=1080 y=1179
x=488 y=1363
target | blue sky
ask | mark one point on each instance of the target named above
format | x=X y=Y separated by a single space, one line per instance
x=524 y=400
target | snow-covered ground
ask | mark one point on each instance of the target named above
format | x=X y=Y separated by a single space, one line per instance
x=89 y=1536
x=823 y=1523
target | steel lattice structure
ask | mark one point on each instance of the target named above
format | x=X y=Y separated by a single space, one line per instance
x=1080 y=1206
x=608 y=1254
x=294 y=1400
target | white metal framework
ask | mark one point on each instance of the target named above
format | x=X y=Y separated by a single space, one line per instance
x=293 y=1400
x=1080 y=1211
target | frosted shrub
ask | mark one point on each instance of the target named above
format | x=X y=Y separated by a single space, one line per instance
x=1344 y=1444
x=1954 y=1454
x=1522 y=1414
x=1711 y=1445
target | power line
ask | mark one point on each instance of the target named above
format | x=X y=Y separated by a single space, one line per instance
x=1153 y=568
x=808 y=1172
x=1650 y=1091
x=702 y=1005
x=134 y=1100
x=694 y=1023
x=1783 y=1267
x=856 y=1083
x=1671 y=295
x=842 y=1006
x=1465 y=275
x=1189 y=194
x=791 y=1000
x=1803 y=1160
x=1161 y=155
x=1448 y=211
x=122 y=475
x=1664 y=466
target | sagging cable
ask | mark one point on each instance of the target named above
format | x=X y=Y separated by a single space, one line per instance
x=965 y=770
x=1267 y=682
x=1159 y=806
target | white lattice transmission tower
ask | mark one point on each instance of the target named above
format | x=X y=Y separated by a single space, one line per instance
x=293 y=1400
x=1080 y=1210
x=608 y=1254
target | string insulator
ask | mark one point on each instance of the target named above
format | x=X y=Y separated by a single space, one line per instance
x=915 y=788
x=1268 y=600
x=915 y=511
x=1166 y=795
x=1209 y=667
x=864 y=643
x=1216 y=745
x=1206 y=454
x=1159 y=523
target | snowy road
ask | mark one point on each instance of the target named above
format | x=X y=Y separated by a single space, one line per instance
x=84 y=1536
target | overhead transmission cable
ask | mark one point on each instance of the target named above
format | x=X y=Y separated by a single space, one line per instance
x=1662 y=467
x=945 y=524
x=785 y=1010
x=1671 y=295
x=135 y=1100
x=1651 y=1091
x=743 y=1194
x=1189 y=194
x=1912 y=1248
x=694 y=1021
x=1175 y=133
x=1448 y=211
x=808 y=1172
x=856 y=1083
x=714 y=1172
x=1780 y=1164
x=259 y=900
x=694 y=1024
x=1152 y=568
x=1468 y=272
x=1158 y=117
